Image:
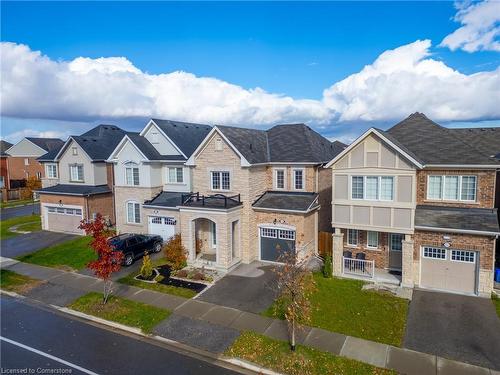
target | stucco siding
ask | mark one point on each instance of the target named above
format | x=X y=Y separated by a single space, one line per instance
x=163 y=145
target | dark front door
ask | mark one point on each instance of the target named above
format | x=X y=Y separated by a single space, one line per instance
x=274 y=243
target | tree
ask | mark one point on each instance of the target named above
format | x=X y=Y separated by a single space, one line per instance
x=327 y=267
x=295 y=285
x=32 y=184
x=108 y=259
x=146 y=267
x=175 y=253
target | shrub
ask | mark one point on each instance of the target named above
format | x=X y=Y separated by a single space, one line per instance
x=198 y=276
x=327 y=267
x=147 y=267
x=181 y=273
x=175 y=253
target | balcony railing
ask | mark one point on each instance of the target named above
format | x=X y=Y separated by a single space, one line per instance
x=358 y=267
x=210 y=201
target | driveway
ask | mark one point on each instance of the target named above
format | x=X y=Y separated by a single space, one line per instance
x=30 y=209
x=458 y=327
x=28 y=243
x=249 y=287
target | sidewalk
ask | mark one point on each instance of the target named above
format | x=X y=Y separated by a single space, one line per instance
x=212 y=327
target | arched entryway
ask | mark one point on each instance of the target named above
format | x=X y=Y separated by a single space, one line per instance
x=205 y=239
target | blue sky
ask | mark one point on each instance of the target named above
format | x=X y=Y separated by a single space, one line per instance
x=294 y=49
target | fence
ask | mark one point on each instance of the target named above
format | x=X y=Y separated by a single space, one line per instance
x=325 y=244
x=358 y=267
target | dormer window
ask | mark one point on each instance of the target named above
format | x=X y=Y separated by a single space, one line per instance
x=74 y=151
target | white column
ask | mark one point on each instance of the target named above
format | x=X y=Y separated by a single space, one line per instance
x=338 y=250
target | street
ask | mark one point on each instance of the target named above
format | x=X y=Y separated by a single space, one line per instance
x=35 y=337
x=9 y=213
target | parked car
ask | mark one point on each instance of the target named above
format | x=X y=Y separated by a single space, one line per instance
x=134 y=246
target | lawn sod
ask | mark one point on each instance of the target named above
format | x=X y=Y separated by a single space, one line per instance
x=73 y=254
x=14 y=282
x=339 y=305
x=26 y=223
x=276 y=355
x=120 y=310
x=22 y=202
x=496 y=303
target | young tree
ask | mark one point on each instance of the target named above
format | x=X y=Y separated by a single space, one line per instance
x=108 y=259
x=147 y=267
x=295 y=285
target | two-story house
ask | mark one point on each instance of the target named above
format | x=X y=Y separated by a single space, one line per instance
x=417 y=200
x=79 y=181
x=4 y=171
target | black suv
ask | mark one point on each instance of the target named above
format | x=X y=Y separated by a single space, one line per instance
x=134 y=246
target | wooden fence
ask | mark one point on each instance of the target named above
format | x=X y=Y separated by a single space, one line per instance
x=325 y=243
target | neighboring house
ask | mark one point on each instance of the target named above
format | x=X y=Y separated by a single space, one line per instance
x=22 y=162
x=81 y=180
x=418 y=199
x=4 y=172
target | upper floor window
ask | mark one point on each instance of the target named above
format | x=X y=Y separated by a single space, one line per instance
x=132 y=176
x=133 y=212
x=220 y=180
x=452 y=188
x=352 y=237
x=298 y=179
x=74 y=151
x=26 y=161
x=175 y=175
x=154 y=137
x=76 y=172
x=51 y=170
x=279 y=179
x=372 y=187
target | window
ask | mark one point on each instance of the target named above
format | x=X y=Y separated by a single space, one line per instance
x=154 y=137
x=452 y=188
x=132 y=176
x=218 y=144
x=76 y=172
x=386 y=188
x=175 y=175
x=357 y=187
x=463 y=256
x=397 y=242
x=213 y=230
x=74 y=151
x=352 y=237
x=268 y=232
x=280 y=179
x=51 y=170
x=39 y=175
x=298 y=179
x=372 y=239
x=371 y=191
x=221 y=181
x=2 y=182
x=26 y=161
x=434 y=253
x=133 y=212
x=286 y=234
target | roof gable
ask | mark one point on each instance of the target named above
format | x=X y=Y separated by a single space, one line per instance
x=4 y=146
x=25 y=148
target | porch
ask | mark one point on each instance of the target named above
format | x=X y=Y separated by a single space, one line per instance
x=365 y=270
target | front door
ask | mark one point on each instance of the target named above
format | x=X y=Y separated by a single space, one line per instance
x=396 y=251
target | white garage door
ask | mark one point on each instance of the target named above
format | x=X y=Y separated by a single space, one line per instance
x=61 y=219
x=448 y=269
x=161 y=225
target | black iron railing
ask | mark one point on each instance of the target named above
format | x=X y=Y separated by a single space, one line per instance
x=215 y=200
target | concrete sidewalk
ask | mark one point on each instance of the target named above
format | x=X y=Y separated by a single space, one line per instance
x=202 y=319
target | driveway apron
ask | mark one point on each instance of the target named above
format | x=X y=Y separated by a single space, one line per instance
x=28 y=243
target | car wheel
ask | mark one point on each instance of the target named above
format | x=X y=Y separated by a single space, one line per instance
x=129 y=259
x=157 y=247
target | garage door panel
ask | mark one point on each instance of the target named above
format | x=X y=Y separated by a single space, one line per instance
x=274 y=243
x=61 y=219
x=162 y=226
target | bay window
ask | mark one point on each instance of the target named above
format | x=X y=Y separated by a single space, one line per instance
x=452 y=188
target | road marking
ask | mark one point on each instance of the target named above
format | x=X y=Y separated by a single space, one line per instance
x=60 y=360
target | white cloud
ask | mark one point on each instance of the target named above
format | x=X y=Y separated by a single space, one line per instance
x=397 y=83
x=406 y=80
x=480 y=27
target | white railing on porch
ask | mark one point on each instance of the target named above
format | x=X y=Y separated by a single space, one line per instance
x=358 y=267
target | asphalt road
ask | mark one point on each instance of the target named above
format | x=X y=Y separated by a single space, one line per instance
x=9 y=213
x=23 y=244
x=35 y=337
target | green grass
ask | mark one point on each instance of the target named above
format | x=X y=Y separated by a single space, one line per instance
x=276 y=355
x=33 y=220
x=73 y=254
x=120 y=310
x=168 y=289
x=496 y=303
x=16 y=203
x=30 y=227
x=15 y=282
x=339 y=305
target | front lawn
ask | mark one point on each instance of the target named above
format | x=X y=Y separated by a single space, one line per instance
x=20 y=202
x=339 y=305
x=496 y=302
x=276 y=355
x=120 y=310
x=32 y=222
x=73 y=254
x=14 y=282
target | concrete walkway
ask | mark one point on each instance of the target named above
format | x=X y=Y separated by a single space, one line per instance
x=229 y=319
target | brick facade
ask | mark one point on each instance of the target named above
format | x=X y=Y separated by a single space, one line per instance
x=380 y=255
x=19 y=171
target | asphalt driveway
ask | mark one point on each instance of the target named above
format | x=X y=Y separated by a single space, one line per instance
x=29 y=209
x=28 y=243
x=249 y=287
x=458 y=327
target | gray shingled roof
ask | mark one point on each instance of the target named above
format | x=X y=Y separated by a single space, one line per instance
x=469 y=219
x=486 y=140
x=293 y=143
x=434 y=144
x=47 y=144
x=166 y=199
x=187 y=136
x=149 y=150
x=84 y=190
x=51 y=155
x=100 y=141
x=4 y=145
x=284 y=200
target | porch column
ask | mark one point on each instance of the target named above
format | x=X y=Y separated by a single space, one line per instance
x=338 y=250
x=407 y=264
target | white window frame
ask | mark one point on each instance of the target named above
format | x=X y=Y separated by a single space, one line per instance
x=368 y=240
x=132 y=176
x=286 y=234
x=465 y=256
x=74 y=151
x=294 y=178
x=39 y=175
x=176 y=170
x=379 y=188
x=443 y=188
x=213 y=234
x=432 y=250
x=220 y=178
x=134 y=203
x=349 y=231
x=268 y=232
x=78 y=179
x=276 y=170
x=48 y=168
x=26 y=161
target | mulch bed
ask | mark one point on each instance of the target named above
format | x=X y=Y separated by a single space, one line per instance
x=165 y=272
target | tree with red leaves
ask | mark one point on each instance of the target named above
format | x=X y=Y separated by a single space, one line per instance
x=108 y=259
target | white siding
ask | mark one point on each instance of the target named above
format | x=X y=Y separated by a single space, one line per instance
x=27 y=149
x=185 y=186
x=164 y=146
x=81 y=158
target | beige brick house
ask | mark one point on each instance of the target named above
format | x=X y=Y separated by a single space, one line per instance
x=416 y=205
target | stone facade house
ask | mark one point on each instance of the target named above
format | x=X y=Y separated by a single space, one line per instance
x=78 y=181
x=417 y=205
